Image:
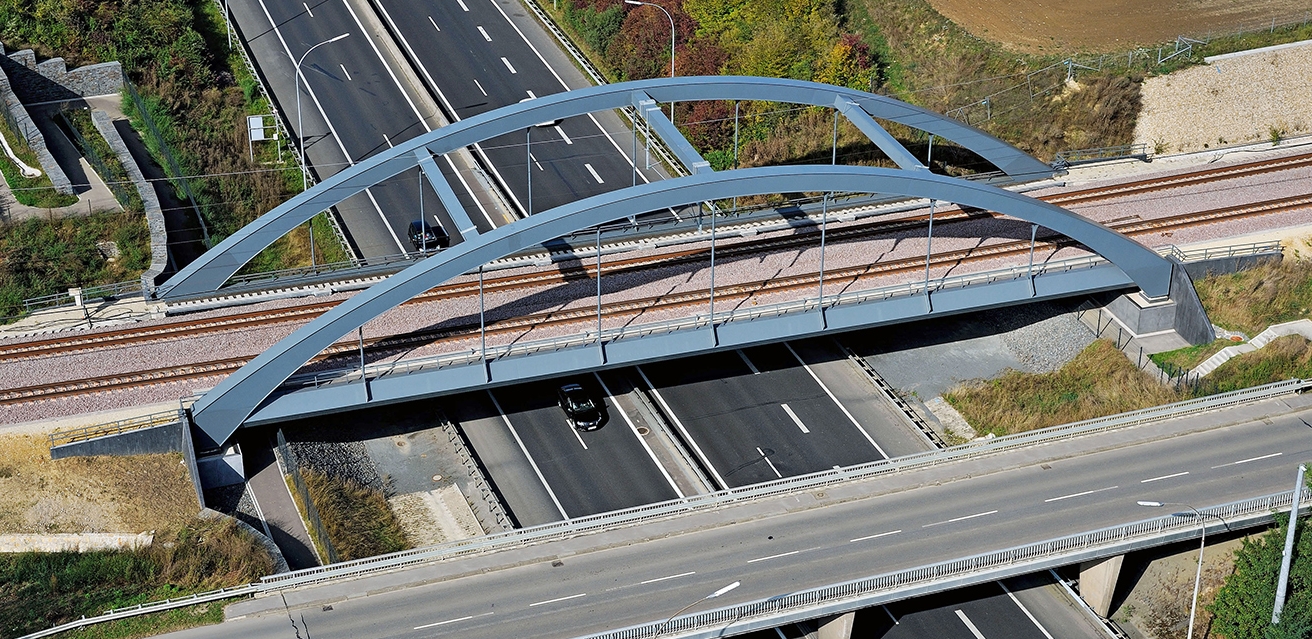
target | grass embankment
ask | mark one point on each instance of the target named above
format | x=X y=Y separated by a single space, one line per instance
x=1254 y=299
x=1190 y=356
x=1099 y=381
x=114 y=174
x=36 y=191
x=357 y=519
x=43 y=257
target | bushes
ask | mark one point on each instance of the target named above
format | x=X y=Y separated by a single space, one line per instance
x=1242 y=609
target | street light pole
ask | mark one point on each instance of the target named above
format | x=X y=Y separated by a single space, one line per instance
x=713 y=595
x=671 y=19
x=1198 y=575
x=300 y=132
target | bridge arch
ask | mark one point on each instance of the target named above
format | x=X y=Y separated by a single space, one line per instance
x=209 y=272
x=222 y=410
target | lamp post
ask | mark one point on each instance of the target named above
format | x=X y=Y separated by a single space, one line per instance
x=300 y=133
x=713 y=595
x=671 y=19
x=1198 y=576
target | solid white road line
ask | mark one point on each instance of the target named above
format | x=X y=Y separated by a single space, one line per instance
x=307 y=9
x=1087 y=492
x=485 y=35
x=748 y=362
x=434 y=23
x=632 y=161
x=966 y=620
x=686 y=435
x=796 y=419
x=652 y=581
x=868 y=537
x=462 y=5
x=770 y=463
x=558 y=599
x=480 y=88
x=563 y=136
x=1250 y=459
x=959 y=519
x=1026 y=611
x=1164 y=477
x=576 y=435
x=594 y=173
x=786 y=554
x=634 y=429
x=507 y=63
x=836 y=402
x=443 y=623
x=348 y=73
x=502 y=412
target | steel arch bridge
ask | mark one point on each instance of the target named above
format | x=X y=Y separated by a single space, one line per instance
x=233 y=402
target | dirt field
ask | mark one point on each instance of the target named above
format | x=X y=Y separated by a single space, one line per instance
x=90 y=494
x=1054 y=26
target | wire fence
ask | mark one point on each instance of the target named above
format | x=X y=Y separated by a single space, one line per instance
x=116 y=179
x=178 y=178
x=491 y=511
x=311 y=513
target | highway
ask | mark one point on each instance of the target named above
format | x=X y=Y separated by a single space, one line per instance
x=610 y=580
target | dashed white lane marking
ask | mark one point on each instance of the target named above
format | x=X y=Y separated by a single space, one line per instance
x=1164 y=477
x=558 y=599
x=973 y=630
x=563 y=136
x=480 y=88
x=594 y=173
x=1026 y=611
x=348 y=73
x=535 y=161
x=485 y=35
x=785 y=554
x=577 y=435
x=796 y=420
x=502 y=412
x=434 y=23
x=748 y=362
x=531 y=95
x=868 y=537
x=770 y=463
x=443 y=623
x=634 y=429
x=462 y=5
x=1250 y=459
x=679 y=424
x=652 y=581
x=507 y=62
x=1087 y=492
x=956 y=519
x=836 y=402
x=307 y=9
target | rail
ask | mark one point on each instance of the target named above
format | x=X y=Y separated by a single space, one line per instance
x=606 y=521
x=1218 y=252
x=1254 y=510
x=61 y=437
x=1064 y=159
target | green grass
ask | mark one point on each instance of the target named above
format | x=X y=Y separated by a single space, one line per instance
x=1100 y=381
x=1254 y=299
x=358 y=520
x=39 y=191
x=41 y=590
x=1190 y=356
x=152 y=624
x=114 y=174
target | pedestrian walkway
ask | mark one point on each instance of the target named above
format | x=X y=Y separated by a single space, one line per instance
x=274 y=500
x=92 y=315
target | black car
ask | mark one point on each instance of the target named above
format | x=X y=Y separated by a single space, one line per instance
x=580 y=409
x=426 y=237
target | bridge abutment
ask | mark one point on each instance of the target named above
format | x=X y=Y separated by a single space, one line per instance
x=1098 y=582
x=1165 y=324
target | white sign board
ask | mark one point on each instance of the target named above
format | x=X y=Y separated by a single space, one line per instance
x=255 y=123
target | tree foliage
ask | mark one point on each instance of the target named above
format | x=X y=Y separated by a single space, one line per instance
x=1243 y=605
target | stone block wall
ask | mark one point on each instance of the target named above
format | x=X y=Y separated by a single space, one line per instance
x=19 y=117
x=52 y=81
x=159 y=254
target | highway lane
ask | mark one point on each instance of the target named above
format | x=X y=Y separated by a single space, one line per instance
x=590 y=472
x=757 y=415
x=788 y=549
x=477 y=60
x=353 y=107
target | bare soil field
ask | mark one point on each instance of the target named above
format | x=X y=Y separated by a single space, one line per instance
x=90 y=494
x=1053 y=26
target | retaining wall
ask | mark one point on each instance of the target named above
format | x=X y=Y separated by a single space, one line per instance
x=19 y=118
x=159 y=252
x=74 y=542
x=167 y=438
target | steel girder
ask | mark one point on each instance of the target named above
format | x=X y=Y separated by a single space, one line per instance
x=212 y=270
x=222 y=410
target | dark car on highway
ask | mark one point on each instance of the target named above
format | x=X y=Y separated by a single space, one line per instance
x=580 y=409
x=426 y=237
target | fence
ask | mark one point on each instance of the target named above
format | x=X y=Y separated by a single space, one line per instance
x=104 y=292
x=175 y=171
x=311 y=513
x=1064 y=159
x=488 y=495
x=608 y=521
x=61 y=437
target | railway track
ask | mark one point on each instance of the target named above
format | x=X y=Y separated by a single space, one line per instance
x=307 y=312
x=393 y=345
